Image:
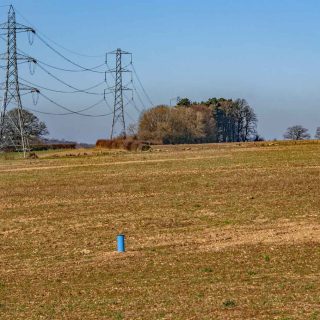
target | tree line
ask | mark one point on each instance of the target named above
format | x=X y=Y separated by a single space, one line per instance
x=214 y=120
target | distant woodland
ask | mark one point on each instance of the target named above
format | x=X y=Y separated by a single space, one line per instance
x=215 y=120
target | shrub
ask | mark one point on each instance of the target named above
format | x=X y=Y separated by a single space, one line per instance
x=126 y=144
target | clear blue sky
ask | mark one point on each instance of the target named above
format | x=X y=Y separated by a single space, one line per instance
x=265 y=51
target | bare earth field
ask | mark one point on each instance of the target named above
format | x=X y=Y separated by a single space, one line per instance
x=228 y=231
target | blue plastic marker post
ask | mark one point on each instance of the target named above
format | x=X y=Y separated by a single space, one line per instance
x=120 y=243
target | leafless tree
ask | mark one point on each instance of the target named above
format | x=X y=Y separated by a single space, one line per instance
x=296 y=132
x=317 y=135
x=33 y=128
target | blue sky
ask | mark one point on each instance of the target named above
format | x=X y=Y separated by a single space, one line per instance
x=267 y=52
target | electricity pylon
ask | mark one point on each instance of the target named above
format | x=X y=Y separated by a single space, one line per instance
x=11 y=86
x=118 y=107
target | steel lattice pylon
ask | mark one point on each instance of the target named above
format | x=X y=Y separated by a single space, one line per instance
x=11 y=86
x=118 y=107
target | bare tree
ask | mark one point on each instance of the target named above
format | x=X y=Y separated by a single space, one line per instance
x=153 y=124
x=297 y=132
x=317 y=135
x=177 y=125
x=235 y=120
x=33 y=128
x=185 y=126
x=132 y=130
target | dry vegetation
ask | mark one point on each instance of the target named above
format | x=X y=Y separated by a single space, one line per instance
x=229 y=231
x=128 y=144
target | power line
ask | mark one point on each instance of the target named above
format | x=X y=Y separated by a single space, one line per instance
x=125 y=96
x=139 y=97
x=69 y=85
x=108 y=105
x=57 y=44
x=77 y=112
x=58 y=79
x=135 y=89
x=131 y=101
x=135 y=106
x=92 y=69
x=63 y=69
x=124 y=111
x=12 y=86
x=36 y=60
x=68 y=113
x=118 y=107
x=143 y=89
x=49 y=113
x=69 y=60
x=62 y=91
x=118 y=89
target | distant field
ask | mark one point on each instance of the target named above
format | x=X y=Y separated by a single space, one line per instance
x=229 y=231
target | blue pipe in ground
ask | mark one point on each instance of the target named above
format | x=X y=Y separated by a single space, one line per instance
x=120 y=243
